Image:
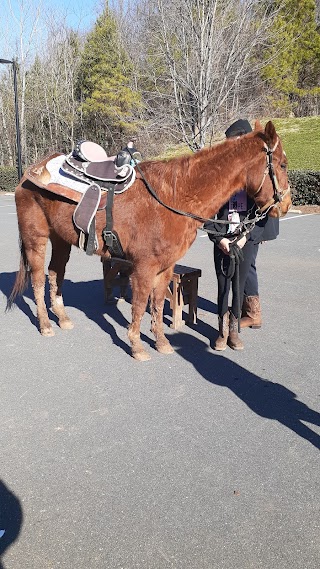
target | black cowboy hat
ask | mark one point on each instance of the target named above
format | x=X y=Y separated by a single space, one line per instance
x=238 y=128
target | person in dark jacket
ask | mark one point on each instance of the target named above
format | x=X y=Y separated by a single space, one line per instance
x=239 y=207
x=251 y=307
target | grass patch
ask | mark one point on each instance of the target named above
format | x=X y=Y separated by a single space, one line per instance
x=174 y=151
x=300 y=138
x=301 y=141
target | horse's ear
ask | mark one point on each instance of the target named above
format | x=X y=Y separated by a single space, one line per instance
x=270 y=133
x=258 y=125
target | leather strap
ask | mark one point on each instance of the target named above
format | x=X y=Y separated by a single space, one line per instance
x=90 y=248
x=110 y=237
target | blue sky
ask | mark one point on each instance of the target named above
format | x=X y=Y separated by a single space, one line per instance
x=78 y=14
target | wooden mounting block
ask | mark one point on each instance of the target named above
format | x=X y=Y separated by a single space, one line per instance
x=182 y=290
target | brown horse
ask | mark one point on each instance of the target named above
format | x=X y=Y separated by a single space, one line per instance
x=153 y=237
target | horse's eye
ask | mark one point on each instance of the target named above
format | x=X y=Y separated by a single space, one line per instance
x=283 y=166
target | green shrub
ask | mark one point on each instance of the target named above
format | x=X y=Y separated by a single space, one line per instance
x=8 y=179
x=305 y=187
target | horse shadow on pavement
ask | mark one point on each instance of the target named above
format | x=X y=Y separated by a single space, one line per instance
x=87 y=296
x=266 y=398
x=6 y=285
x=11 y=517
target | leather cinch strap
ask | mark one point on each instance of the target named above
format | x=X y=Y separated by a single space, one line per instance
x=110 y=237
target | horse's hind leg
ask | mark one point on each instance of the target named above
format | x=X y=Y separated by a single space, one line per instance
x=36 y=258
x=157 y=299
x=59 y=258
x=141 y=283
x=34 y=234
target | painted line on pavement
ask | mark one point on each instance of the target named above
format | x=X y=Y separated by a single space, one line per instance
x=297 y=216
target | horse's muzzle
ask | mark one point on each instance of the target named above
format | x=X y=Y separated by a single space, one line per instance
x=281 y=207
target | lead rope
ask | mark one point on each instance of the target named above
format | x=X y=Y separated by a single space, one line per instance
x=235 y=258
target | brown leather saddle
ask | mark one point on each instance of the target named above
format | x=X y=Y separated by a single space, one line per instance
x=103 y=173
x=89 y=165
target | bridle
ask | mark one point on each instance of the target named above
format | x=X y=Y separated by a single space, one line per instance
x=278 y=193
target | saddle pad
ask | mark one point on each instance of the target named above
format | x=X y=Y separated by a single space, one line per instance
x=40 y=177
x=87 y=208
x=58 y=176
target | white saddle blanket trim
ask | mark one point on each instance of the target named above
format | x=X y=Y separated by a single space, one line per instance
x=57 y=176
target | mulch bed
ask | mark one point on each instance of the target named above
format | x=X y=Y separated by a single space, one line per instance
x=306 y=208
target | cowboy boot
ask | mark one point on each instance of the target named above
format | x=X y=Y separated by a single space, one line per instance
x=234 y=341
x=221 y=342
x=251 y=312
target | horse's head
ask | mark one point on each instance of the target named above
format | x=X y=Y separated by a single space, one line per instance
x=268 y=184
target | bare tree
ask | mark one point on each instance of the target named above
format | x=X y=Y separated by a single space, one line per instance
x=47 y=54
x=24 y=16
x=201 y=58
x=6 y=138
x=51 y=107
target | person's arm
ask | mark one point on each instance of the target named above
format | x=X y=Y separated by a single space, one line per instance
x=217 y=227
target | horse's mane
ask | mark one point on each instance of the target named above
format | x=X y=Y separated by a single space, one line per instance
x=229 y=147
x=165 y=174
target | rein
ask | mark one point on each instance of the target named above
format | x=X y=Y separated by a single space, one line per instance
x=260 y=212
x=243 y=227
x=156 y=197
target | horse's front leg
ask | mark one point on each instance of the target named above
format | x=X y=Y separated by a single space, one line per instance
x=59 y=258
x=157 y=298
x=141 y=283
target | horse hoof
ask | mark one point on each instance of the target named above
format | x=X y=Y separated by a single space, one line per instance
x=66 y=325
x=164 y=348
x=141 y=356
x=48 y=332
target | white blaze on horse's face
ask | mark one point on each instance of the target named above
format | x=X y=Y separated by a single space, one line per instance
x=274 y=182
x=283 y=203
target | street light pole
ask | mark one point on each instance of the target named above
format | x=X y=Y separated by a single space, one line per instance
x=14 y=68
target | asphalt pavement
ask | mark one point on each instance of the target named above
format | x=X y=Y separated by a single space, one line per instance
x=194 y=460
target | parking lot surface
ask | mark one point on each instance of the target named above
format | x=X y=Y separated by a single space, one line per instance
x=195 y=460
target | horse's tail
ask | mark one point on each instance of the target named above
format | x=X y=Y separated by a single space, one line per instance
x=22 y=277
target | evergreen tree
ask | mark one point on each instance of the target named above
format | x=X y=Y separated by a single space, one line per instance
x=108 y=99
x=293 y=70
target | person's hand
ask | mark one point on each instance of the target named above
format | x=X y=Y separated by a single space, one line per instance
x=241 y=243
x=224 y=245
